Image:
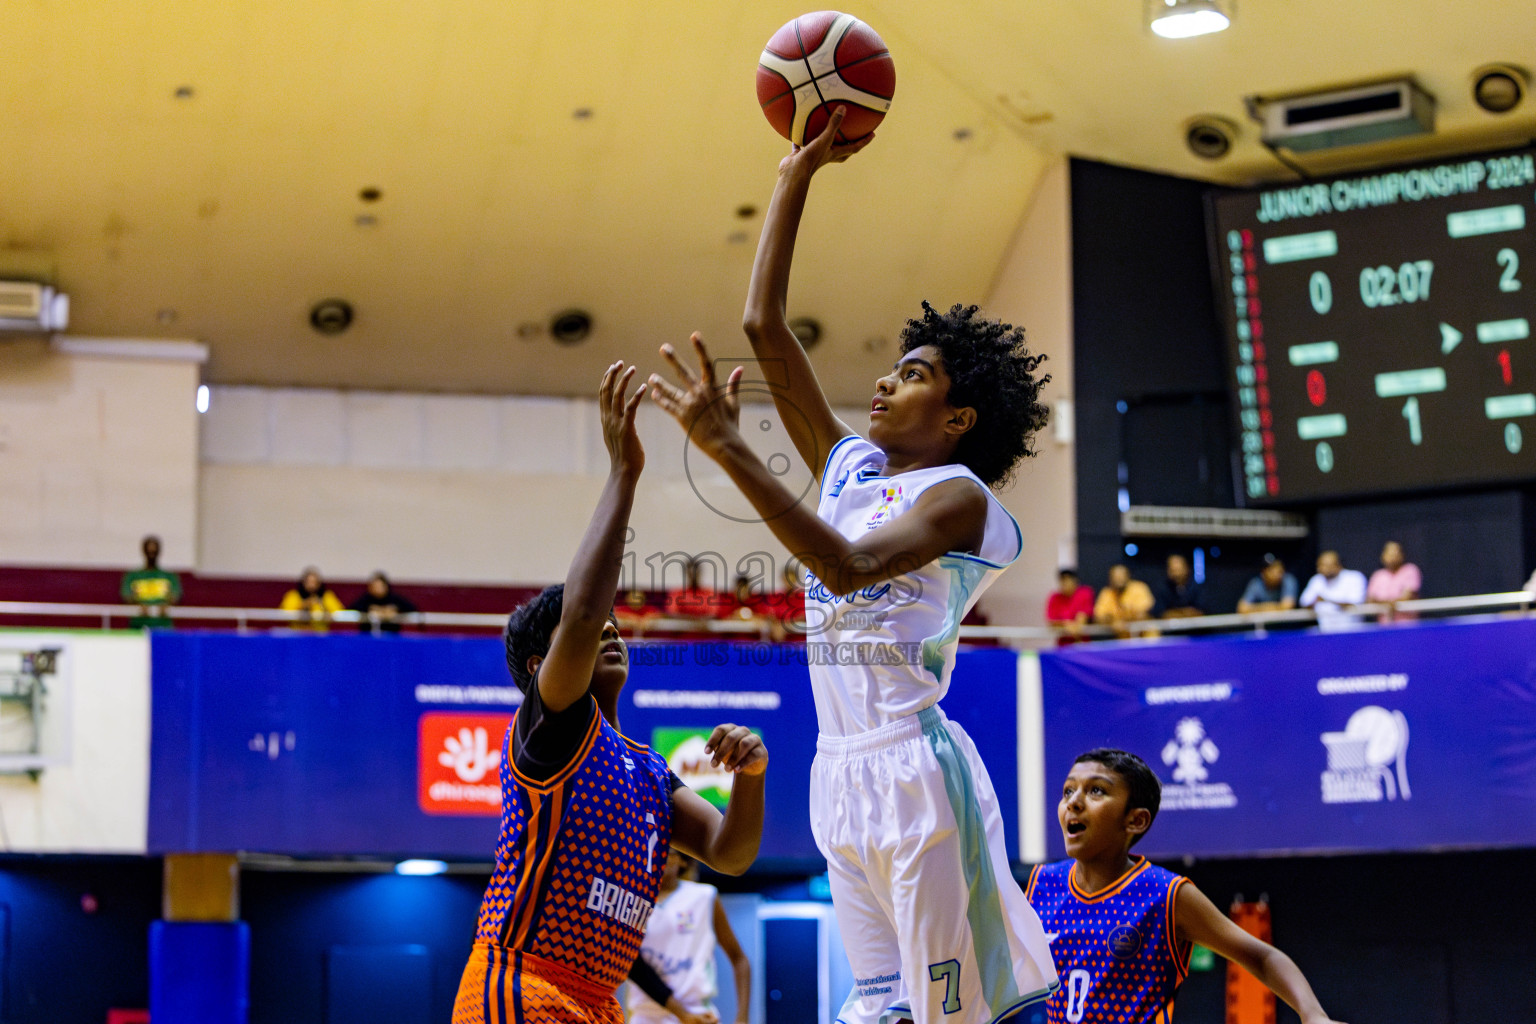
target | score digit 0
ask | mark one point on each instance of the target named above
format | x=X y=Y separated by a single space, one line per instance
x=1320 y=291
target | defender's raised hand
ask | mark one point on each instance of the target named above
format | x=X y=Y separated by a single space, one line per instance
x=737 y=749
x=625 y=453
x=708 y=412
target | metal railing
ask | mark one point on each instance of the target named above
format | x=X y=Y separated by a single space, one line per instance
x=1517 y=602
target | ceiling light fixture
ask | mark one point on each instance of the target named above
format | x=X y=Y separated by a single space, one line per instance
x=1180 y=19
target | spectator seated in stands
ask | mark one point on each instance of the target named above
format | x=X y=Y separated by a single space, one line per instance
x=744 y=605
x=787 y=609
x=693 y=601
x=381 y=606
x=151 y=588
x=1272 y=590
x=316 y=601
x=1123 y=600
x=634 y=611
x=1070 y=606
x=1179 y=595
x=1397 y=580
x=1334 y=588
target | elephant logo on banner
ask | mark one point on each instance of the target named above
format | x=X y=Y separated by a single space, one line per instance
x=1368 y=761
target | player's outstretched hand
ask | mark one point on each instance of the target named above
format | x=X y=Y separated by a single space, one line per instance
x=708 y=413
x=737 y=749
x=624 y=451
x=824 y=148
x=707 y=1017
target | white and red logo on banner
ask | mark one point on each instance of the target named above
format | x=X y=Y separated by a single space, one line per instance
x=458 y=757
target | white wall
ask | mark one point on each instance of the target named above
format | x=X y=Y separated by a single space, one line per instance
x=97 y=800
x=1034 y=289
x=98 y=447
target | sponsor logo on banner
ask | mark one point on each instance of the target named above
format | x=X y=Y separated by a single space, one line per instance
x=457 y=762
x=686 y=756
x=1368 y=760
x=1188 y=754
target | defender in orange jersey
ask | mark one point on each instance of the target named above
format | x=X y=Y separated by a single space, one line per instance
x=1121 y=928
x=588 y=815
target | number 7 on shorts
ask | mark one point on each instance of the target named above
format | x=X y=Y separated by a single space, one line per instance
x=949 y=973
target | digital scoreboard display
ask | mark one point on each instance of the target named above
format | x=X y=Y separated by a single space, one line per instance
x=1379 y=328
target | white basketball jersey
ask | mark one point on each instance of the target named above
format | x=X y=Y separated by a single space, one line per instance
x=680 y=945
x=886 y=651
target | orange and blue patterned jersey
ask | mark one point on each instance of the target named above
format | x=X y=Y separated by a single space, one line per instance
x=1116 y=950
x=580 y=856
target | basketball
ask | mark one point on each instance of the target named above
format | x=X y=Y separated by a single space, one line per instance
x=817 y=63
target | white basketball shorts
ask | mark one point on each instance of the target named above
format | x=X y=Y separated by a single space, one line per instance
x=935 y=927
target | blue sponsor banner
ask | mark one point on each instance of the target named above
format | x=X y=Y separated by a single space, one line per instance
x=328 y=746
x=1411 y=738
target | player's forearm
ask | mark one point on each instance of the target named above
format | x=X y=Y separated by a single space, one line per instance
x=593 y=578
x=741 y=967
x=827 y=553
x=734 y=846
x=768 y=291
x=1280 y=973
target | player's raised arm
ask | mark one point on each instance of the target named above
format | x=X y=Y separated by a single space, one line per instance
x=728 y=843
x=949 y=516
x=593 y=578
x=1198 y=920
x=802 y=405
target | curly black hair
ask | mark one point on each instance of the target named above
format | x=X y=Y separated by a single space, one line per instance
x=1146 y=790
x=992 y=372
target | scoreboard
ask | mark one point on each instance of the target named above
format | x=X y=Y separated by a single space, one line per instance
x=1379 y=328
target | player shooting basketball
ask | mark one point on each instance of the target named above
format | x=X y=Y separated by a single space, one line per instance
x=907 y=535
x=588 y=816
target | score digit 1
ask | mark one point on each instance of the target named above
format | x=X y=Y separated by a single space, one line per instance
x=1411 y=414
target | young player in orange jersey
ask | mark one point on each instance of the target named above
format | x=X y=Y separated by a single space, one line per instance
x=588 y=816
x=1121 y=928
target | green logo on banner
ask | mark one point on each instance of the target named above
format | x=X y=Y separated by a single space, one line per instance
x=683 y=749
x=1201 y=959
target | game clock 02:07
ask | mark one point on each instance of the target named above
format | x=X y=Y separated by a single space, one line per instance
x=1378 y=326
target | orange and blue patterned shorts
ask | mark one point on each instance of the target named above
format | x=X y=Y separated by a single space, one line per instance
x=504 y=986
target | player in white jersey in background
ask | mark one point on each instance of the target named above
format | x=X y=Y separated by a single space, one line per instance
x=679 y=945
x=906 y=536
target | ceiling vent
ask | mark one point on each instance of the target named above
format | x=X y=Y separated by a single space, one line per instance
x=31 y=307
x=1345 y=117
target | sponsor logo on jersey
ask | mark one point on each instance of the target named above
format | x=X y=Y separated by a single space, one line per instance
x=879 y=985
x=1368 y=760
x=1188 y=754
x=890 y=497
x=617 y=902
x=1124 y=942
x=457 y=762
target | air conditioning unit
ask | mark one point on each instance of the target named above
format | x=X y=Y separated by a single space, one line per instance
x=31 y=307
x=1345 y=117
